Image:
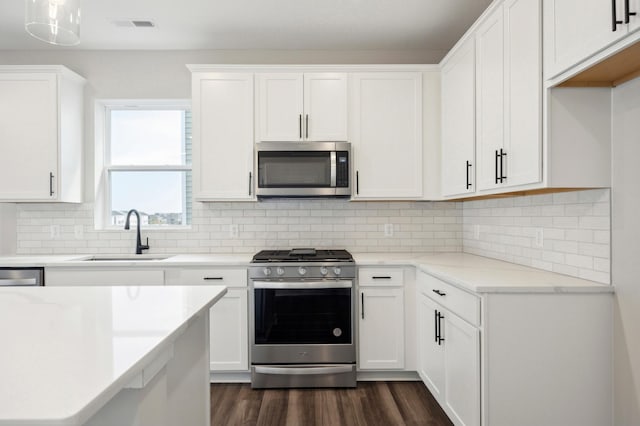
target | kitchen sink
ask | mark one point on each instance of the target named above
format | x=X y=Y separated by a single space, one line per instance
x=124 y=257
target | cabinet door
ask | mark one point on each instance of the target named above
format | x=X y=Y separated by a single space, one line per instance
x=28 y=136
x=280 y=107
x=325 y=107
x=576 y=29
x=634 y=20
x=489 y=98
x=458 y=121
x=381 y=331
x=229 y=332
x=462 y=370
x=430 y=353
x=223 y=136
x=523 y=92
x=386 y=120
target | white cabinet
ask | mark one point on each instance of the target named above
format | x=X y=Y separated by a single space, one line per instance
x=222 y=108
x=41 y=116
x=508 y=96
x=449 y=349
x=381 y=319
x=386 y=130
x=228 y=329
x=301 y=107
x=577 y=29
x=458 y=121
x=103 y=276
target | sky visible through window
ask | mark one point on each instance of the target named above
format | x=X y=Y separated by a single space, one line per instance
x=143 y=138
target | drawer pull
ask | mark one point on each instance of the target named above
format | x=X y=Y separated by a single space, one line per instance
x=439 y=293
x=381 y=277
x=213 y=278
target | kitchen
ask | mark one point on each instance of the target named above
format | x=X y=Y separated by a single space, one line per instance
x=579 y=228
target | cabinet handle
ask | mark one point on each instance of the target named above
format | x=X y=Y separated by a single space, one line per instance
x=306 y=126
x=440 y=338
x=497 y=157
x=300 y=125
x=381 y=277
x=213 y=278
x=468 y=177
x=357 y=183
x=503 y=176
x=50 y=184
x=362 y=304
x=627 y=13
x=435 y=323
x=614 y=18
x=439 y=293
x=250 y=178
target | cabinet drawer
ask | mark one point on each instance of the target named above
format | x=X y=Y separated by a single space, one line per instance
x=226 y=277
x=381 y=277
x=460 y=302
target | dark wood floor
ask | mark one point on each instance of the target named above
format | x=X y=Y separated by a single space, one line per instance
x=371 y=403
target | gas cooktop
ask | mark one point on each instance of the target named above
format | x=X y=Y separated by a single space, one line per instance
x=302 y=255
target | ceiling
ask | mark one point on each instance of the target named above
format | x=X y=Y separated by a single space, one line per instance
x=259 y=24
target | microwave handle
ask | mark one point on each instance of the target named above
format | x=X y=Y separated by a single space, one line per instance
x=333 y=169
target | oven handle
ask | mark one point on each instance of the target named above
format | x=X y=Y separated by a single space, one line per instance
x=304 y=371
x=302 y=285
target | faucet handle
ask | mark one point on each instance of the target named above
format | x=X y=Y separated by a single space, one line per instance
x=145 y=246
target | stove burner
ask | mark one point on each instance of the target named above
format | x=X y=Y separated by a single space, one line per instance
x=302 y=255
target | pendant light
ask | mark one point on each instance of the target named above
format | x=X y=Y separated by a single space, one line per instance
x=54 y=21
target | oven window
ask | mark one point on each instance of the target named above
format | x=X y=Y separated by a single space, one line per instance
x=302 y=316
x=291 y=169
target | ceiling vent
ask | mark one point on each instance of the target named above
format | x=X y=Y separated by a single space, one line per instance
x=132 y=23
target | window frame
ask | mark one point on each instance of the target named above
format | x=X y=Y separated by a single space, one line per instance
x=103 y=165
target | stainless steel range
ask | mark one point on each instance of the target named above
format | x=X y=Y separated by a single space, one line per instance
x=302 y=304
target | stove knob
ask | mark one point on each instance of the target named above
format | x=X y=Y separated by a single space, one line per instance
x=280 y=271
x=337 y=270
x=266 y=271
x=323 y=270
x=302 y=270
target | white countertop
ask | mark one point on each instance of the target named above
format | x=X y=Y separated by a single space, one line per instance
x=66 y=351
x=471 y=272
x=483 y=275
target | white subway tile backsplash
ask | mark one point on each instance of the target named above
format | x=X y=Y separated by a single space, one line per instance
x=575 y=228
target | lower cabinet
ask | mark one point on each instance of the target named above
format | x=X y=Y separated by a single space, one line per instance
x=449 y=356
x=228 y=329
x=381 y=319
x=96 y=276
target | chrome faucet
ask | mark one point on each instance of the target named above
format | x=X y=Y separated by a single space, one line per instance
x=139 y=245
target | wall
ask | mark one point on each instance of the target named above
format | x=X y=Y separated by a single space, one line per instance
x=575 y=229
x=625 y=200
x=356 y=226
x=7 y=228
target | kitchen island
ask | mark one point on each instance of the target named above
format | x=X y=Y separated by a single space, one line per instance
x=105 y=355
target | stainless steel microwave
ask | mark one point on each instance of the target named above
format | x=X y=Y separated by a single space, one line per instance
x=303 y=169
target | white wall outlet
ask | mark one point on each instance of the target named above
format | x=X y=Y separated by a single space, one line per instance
x=54 y=232
x=539 y=241
x=476 y=232
x=233 y=230
x=388 y=229
x=78 y=232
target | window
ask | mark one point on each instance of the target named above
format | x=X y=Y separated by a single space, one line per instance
x=147 y=163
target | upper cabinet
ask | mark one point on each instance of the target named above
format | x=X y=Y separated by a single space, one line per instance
x=458 y=121
x=509 y=96
x=386 y=134
x=301 y=107
x=41 y=115
x=222 y=108
x=577 y=29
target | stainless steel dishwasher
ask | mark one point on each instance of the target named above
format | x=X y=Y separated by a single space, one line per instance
x=21 y=276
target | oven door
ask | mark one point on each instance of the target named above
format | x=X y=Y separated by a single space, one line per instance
x=302 y=322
